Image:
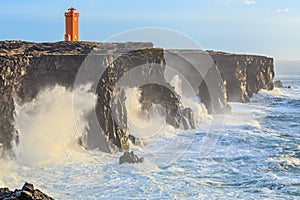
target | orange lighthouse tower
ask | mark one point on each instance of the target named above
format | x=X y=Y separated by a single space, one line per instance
x=71 y=25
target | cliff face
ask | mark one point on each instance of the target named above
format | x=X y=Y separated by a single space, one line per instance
x=245 y=75
x=201 y=76
x=26 y=68
x=222 y=77
x=110 y=108
x=13 y=68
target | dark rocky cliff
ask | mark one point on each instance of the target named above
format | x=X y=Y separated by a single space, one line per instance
x=245 y=75
x=26 y=68
x=242 y=76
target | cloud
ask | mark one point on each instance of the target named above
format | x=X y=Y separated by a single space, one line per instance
x=283 y=10
x=249 y=2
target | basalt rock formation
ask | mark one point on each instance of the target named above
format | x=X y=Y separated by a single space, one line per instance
x=245 y=75
x=130 y=157
x=27 y=192
x=223 y=77
x=27 y=68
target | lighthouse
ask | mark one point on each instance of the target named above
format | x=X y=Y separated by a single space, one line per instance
x=72 y=25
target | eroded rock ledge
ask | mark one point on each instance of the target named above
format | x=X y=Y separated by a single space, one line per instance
x=26 y=68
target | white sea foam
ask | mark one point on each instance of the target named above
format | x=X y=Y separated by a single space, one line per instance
x=276 y=92
x=244 y=115
x=288 y=160
x=176 y=169
x=293 y=93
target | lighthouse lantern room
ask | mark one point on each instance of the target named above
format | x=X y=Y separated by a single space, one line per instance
x=71 y=25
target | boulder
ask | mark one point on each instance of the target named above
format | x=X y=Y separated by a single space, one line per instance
x=26 y=193
x=130 y=157
x=4 y=192
x=278 y=84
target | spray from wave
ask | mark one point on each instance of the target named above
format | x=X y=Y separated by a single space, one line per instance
x=164 y=143
x=141 y=123
x=48 y=129
x=200 y=112
x=146 y=124
x=46 y=125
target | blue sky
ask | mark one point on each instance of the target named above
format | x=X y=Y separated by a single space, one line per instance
x=267 y=27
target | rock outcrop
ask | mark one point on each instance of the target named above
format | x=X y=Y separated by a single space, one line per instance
x=188 y=119
x=278 y=84
x=130 y=157
x=26 y=193
x=110 y=108
x=159 y=94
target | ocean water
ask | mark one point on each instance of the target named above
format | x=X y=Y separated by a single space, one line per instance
x=255 y=154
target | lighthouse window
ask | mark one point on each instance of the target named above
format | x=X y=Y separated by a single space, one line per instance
x=75 y=19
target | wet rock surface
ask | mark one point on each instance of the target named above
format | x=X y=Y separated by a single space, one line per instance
x=163 y=95
x=278 y=84
x=188 y=119
x=130 y=157
x=26 y=193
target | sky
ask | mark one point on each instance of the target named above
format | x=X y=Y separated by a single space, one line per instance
x=264 y=27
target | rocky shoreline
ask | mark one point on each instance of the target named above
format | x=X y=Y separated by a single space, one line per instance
x=26 y=193
x=26 y=68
